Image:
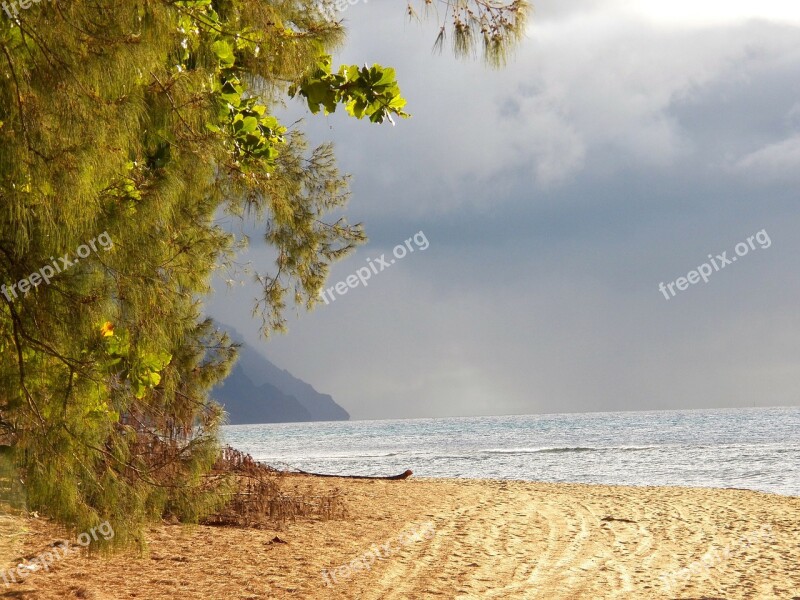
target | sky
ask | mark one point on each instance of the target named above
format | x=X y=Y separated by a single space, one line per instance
x=626 y=141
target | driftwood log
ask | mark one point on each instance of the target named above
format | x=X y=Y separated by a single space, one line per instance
x=405 y=475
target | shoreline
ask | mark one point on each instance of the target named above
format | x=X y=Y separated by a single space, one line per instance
x=463 y=538
x=745 y=448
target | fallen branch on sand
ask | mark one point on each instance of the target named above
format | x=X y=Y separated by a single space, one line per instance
x=404 y=475
x=609 y=519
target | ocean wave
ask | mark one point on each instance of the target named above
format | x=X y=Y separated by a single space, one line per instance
x=562 y=449
x=342 y=456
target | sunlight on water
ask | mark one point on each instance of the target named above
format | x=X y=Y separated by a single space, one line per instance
x=748 y=448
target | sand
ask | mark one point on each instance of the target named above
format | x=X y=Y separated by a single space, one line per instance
x=458 y=539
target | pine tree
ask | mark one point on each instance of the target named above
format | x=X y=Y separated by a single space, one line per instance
x=497 y=26
x=126 y=128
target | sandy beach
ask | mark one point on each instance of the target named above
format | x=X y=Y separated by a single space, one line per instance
x=455 y=539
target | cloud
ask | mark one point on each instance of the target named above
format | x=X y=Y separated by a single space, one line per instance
x=597 y=91
x=780 y=160
x=678 y=13
x=621 y=147
x=711 y=12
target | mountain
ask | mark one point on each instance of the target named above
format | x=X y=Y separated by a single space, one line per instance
x=246 y=402
x=321 y=406
x=257 y=391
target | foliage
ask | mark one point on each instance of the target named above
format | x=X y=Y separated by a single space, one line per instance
x=496 y=25
x=366 y=92
x=148 y=120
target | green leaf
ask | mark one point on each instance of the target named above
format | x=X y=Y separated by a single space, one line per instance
x=250 y=124
x=224 y=53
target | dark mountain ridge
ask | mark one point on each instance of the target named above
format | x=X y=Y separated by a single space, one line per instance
x=257 y=391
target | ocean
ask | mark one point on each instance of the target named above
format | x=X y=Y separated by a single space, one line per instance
x=756 y=448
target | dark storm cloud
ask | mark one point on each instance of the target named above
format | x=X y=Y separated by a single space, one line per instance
x=556 y=195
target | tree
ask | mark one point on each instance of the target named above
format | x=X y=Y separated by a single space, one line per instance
x=125 y=128
x=495 y=25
